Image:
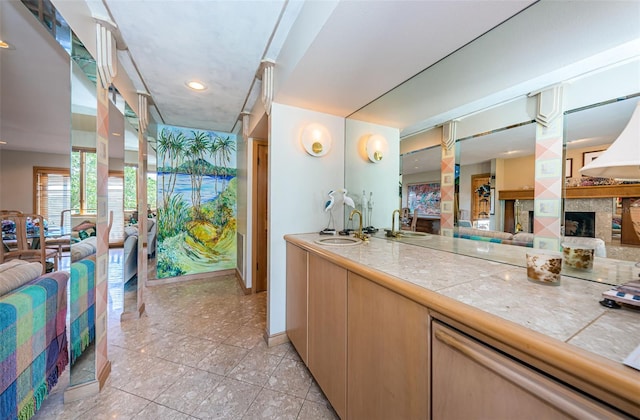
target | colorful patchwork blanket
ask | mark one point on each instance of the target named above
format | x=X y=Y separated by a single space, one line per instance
x=82 y=306
x=33 y=344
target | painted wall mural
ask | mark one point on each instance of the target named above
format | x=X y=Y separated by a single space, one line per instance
x=196 y=201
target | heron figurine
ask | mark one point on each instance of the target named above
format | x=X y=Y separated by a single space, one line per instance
x=348 y=201
x=327 y=208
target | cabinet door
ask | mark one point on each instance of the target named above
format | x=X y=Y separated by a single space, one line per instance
x=328 y=330
x=473 y=381
x=387 y=354
x=297 y=299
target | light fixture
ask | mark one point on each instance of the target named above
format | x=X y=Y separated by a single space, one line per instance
x=5 y=45
x=316 y=139
x=622 y=159
x=376 y=147
x=196 y=85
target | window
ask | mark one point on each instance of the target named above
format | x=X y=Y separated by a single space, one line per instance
x=84 y=181
x=52 y=194
x=130 y=188
x=116 y=197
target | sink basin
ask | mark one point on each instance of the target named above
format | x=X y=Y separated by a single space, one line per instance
x=339 y=241
x=412 y=235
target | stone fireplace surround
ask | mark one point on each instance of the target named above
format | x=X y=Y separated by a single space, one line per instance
x=602 y=207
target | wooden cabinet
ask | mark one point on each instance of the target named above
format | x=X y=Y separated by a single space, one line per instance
x=297 y=299
x=472 y=380
x=387 y=354
x=328 y=330
x=378 y=354
x=628 y=236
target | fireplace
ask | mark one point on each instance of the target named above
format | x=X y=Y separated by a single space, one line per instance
x=580 y=223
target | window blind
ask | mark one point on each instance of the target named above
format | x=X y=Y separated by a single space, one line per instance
x=53 y=195
x=116 y=204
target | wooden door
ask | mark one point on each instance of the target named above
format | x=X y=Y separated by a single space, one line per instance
x=388 y=346
x=261 y=229
x=327 y=330
x=628 y=235
x=510 y=216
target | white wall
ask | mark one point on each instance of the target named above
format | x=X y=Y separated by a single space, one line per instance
x=298 y=186
x=382 y=178
x=419 y=178
x=16 y=176
x=243 y=149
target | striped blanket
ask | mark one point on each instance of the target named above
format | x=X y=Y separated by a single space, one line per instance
x=82 y=306
x=33 y=344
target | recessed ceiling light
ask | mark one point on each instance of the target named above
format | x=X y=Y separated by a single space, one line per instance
x=195 y=85
x=5 y=45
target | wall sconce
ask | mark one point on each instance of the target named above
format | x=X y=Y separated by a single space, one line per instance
x=316 y=139
x=376 y=147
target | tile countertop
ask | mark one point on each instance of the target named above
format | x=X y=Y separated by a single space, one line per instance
x=569 y=312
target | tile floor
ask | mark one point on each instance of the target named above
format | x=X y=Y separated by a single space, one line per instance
x=197 y=353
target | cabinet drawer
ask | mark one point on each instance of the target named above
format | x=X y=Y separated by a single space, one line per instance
x=471 y=380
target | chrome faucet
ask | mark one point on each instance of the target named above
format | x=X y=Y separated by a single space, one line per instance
x=393 y=232
x=359 y=233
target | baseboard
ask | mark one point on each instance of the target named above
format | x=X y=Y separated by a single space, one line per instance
x=245 y=290
x=127 y=315
x=81 y=391
x=276 y=339
x=200 y=276
x=104 y=374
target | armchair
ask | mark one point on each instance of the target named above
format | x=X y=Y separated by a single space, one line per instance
x=25 y=240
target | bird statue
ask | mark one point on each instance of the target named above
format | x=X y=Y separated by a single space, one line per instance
x=330 y=202
x=327 y=208
x=348 y=201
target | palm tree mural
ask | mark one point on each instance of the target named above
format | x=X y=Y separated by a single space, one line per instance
x=197 y=218
x=171 y=151
x=198 y=147
x=222 y=149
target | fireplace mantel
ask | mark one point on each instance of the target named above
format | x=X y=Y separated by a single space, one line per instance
x=600 y=191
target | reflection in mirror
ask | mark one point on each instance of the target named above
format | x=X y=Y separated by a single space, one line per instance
x=150 y=176
x=123 y=237
x=599 y=207
x=130 y=216
x=420 y=180
x=491 y=163
x=83 y=219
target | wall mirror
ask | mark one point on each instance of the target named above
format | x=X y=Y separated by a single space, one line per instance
x=149 y=177
x=495 y=191
x=599 y=207
x=83 y=218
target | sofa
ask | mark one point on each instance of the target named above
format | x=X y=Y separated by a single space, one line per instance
x=33 y=336
x=526 y=239
x=520 y=239
x=131 y=247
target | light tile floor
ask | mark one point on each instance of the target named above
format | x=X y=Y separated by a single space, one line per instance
x=197 y=353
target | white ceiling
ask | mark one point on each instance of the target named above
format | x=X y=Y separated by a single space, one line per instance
x=219 y=43
x=352 y=52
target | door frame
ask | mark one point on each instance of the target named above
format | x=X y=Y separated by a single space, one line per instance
x=254 y=215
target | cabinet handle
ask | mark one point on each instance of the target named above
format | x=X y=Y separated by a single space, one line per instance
x=522 y=381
